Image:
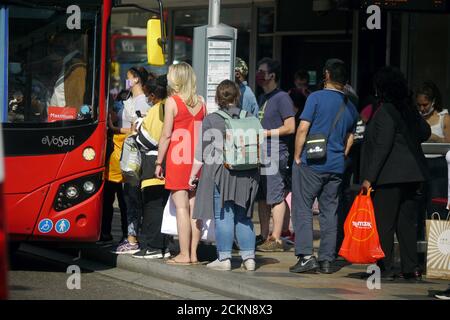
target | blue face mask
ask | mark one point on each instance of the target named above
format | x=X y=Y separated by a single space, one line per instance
x=129 y=84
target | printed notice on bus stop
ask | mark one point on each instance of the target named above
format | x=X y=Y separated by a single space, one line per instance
x=219 y=69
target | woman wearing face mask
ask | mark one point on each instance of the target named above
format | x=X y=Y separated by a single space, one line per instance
x=429 y=103
x=154 y=244
x=134 y=107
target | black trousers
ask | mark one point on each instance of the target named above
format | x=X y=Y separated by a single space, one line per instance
x=154 y=201
x=109 y=195
x=396 y=210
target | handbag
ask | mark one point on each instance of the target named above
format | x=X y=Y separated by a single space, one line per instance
x=438 y=247
x=169 y=223
x=316 y=144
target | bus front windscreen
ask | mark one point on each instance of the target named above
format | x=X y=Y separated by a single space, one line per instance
x=51 y=65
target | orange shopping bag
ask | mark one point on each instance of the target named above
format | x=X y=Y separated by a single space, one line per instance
x=361 y=242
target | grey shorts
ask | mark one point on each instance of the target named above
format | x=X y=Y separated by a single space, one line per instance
x=273 y=185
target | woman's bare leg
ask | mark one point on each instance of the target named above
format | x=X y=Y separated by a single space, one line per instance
x=196 y=226
x=181 y=200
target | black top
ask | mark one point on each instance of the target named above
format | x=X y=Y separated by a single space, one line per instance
x=391 y=152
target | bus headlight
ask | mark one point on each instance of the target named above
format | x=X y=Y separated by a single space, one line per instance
x=89 y=154
x=72 y=192
x=89 y=187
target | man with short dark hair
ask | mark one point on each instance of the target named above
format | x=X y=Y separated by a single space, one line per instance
x=328 y=113
x=277 y=118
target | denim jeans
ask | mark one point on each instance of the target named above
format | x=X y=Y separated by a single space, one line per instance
x=133 y=200
x=306 y=186
x=229 y=218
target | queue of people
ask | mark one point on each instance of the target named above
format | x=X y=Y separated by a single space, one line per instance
x=308 y=140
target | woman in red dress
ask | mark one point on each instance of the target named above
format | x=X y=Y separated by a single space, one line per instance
x=184 y=112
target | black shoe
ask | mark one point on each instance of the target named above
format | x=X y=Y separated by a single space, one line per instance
x=412 y=276
x=259 y=240
x=326 y=267
x=151 y=253
x=305 y=265
x=105 y=238
x=387 y=276
x=443 y=295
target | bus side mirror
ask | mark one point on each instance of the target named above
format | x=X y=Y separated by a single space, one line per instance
x=155 y=52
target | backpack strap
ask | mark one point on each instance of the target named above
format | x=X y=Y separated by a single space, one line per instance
x=223 y=114
x=243 y=114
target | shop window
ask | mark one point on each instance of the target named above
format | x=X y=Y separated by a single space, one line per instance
x=184 y=22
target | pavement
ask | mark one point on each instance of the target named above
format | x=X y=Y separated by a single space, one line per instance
x=270 y=281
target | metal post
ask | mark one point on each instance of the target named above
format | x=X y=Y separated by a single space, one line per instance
x=355 y=50
x=214 y=13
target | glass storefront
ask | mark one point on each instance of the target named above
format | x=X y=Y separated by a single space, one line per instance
x=429 y=54
x=184 y=22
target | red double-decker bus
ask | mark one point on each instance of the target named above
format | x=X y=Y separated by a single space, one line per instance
x=55 y=75
x=3 y=233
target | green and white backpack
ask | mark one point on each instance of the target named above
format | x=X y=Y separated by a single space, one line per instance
x=243 y=139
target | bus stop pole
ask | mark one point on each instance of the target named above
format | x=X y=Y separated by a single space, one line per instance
x=214 y=13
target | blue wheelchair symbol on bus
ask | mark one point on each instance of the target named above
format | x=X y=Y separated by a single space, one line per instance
x=45 y=226
x=62 y=226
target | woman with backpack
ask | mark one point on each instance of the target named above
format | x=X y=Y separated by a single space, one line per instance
x=154 y=244
x=226 y=193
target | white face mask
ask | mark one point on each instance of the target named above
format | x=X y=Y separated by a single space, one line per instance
x=427 y=113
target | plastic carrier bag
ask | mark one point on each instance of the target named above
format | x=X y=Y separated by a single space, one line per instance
x=361 y=243
x=130 y=161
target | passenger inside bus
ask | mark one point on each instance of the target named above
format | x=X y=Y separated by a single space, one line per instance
x=70 y=86
x=48 y=66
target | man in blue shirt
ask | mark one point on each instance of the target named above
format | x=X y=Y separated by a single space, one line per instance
x=321 y=179
x=277 y=118
x=248 y=99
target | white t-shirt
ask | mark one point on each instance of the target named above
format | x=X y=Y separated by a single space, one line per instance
x=438 y=129
x=130 y=107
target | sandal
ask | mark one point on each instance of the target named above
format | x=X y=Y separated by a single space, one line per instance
x=175 y=262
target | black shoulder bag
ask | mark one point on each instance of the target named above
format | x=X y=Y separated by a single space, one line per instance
x=316 y=144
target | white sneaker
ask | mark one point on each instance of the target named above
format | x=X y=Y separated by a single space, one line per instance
x=249 y=265
x=224 y=265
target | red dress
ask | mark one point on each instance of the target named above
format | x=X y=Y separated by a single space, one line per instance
x=180 y=155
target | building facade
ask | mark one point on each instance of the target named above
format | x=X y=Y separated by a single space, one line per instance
x=301 y=36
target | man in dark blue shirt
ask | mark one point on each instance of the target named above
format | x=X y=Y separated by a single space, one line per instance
x=321 y=179
x=277 y=118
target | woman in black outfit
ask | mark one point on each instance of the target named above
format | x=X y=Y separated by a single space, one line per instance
x=393 y=164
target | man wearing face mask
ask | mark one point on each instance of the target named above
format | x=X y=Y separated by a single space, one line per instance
x=277 y=118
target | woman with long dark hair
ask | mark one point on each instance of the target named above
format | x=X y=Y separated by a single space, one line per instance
x=394 y=166
x=429 y=104
x=134 y=107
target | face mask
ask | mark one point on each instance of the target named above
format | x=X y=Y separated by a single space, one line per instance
x=427 y=113
x=261 y=79
x=130 y=83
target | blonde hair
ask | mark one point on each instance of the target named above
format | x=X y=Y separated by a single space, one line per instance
x=183 y=82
